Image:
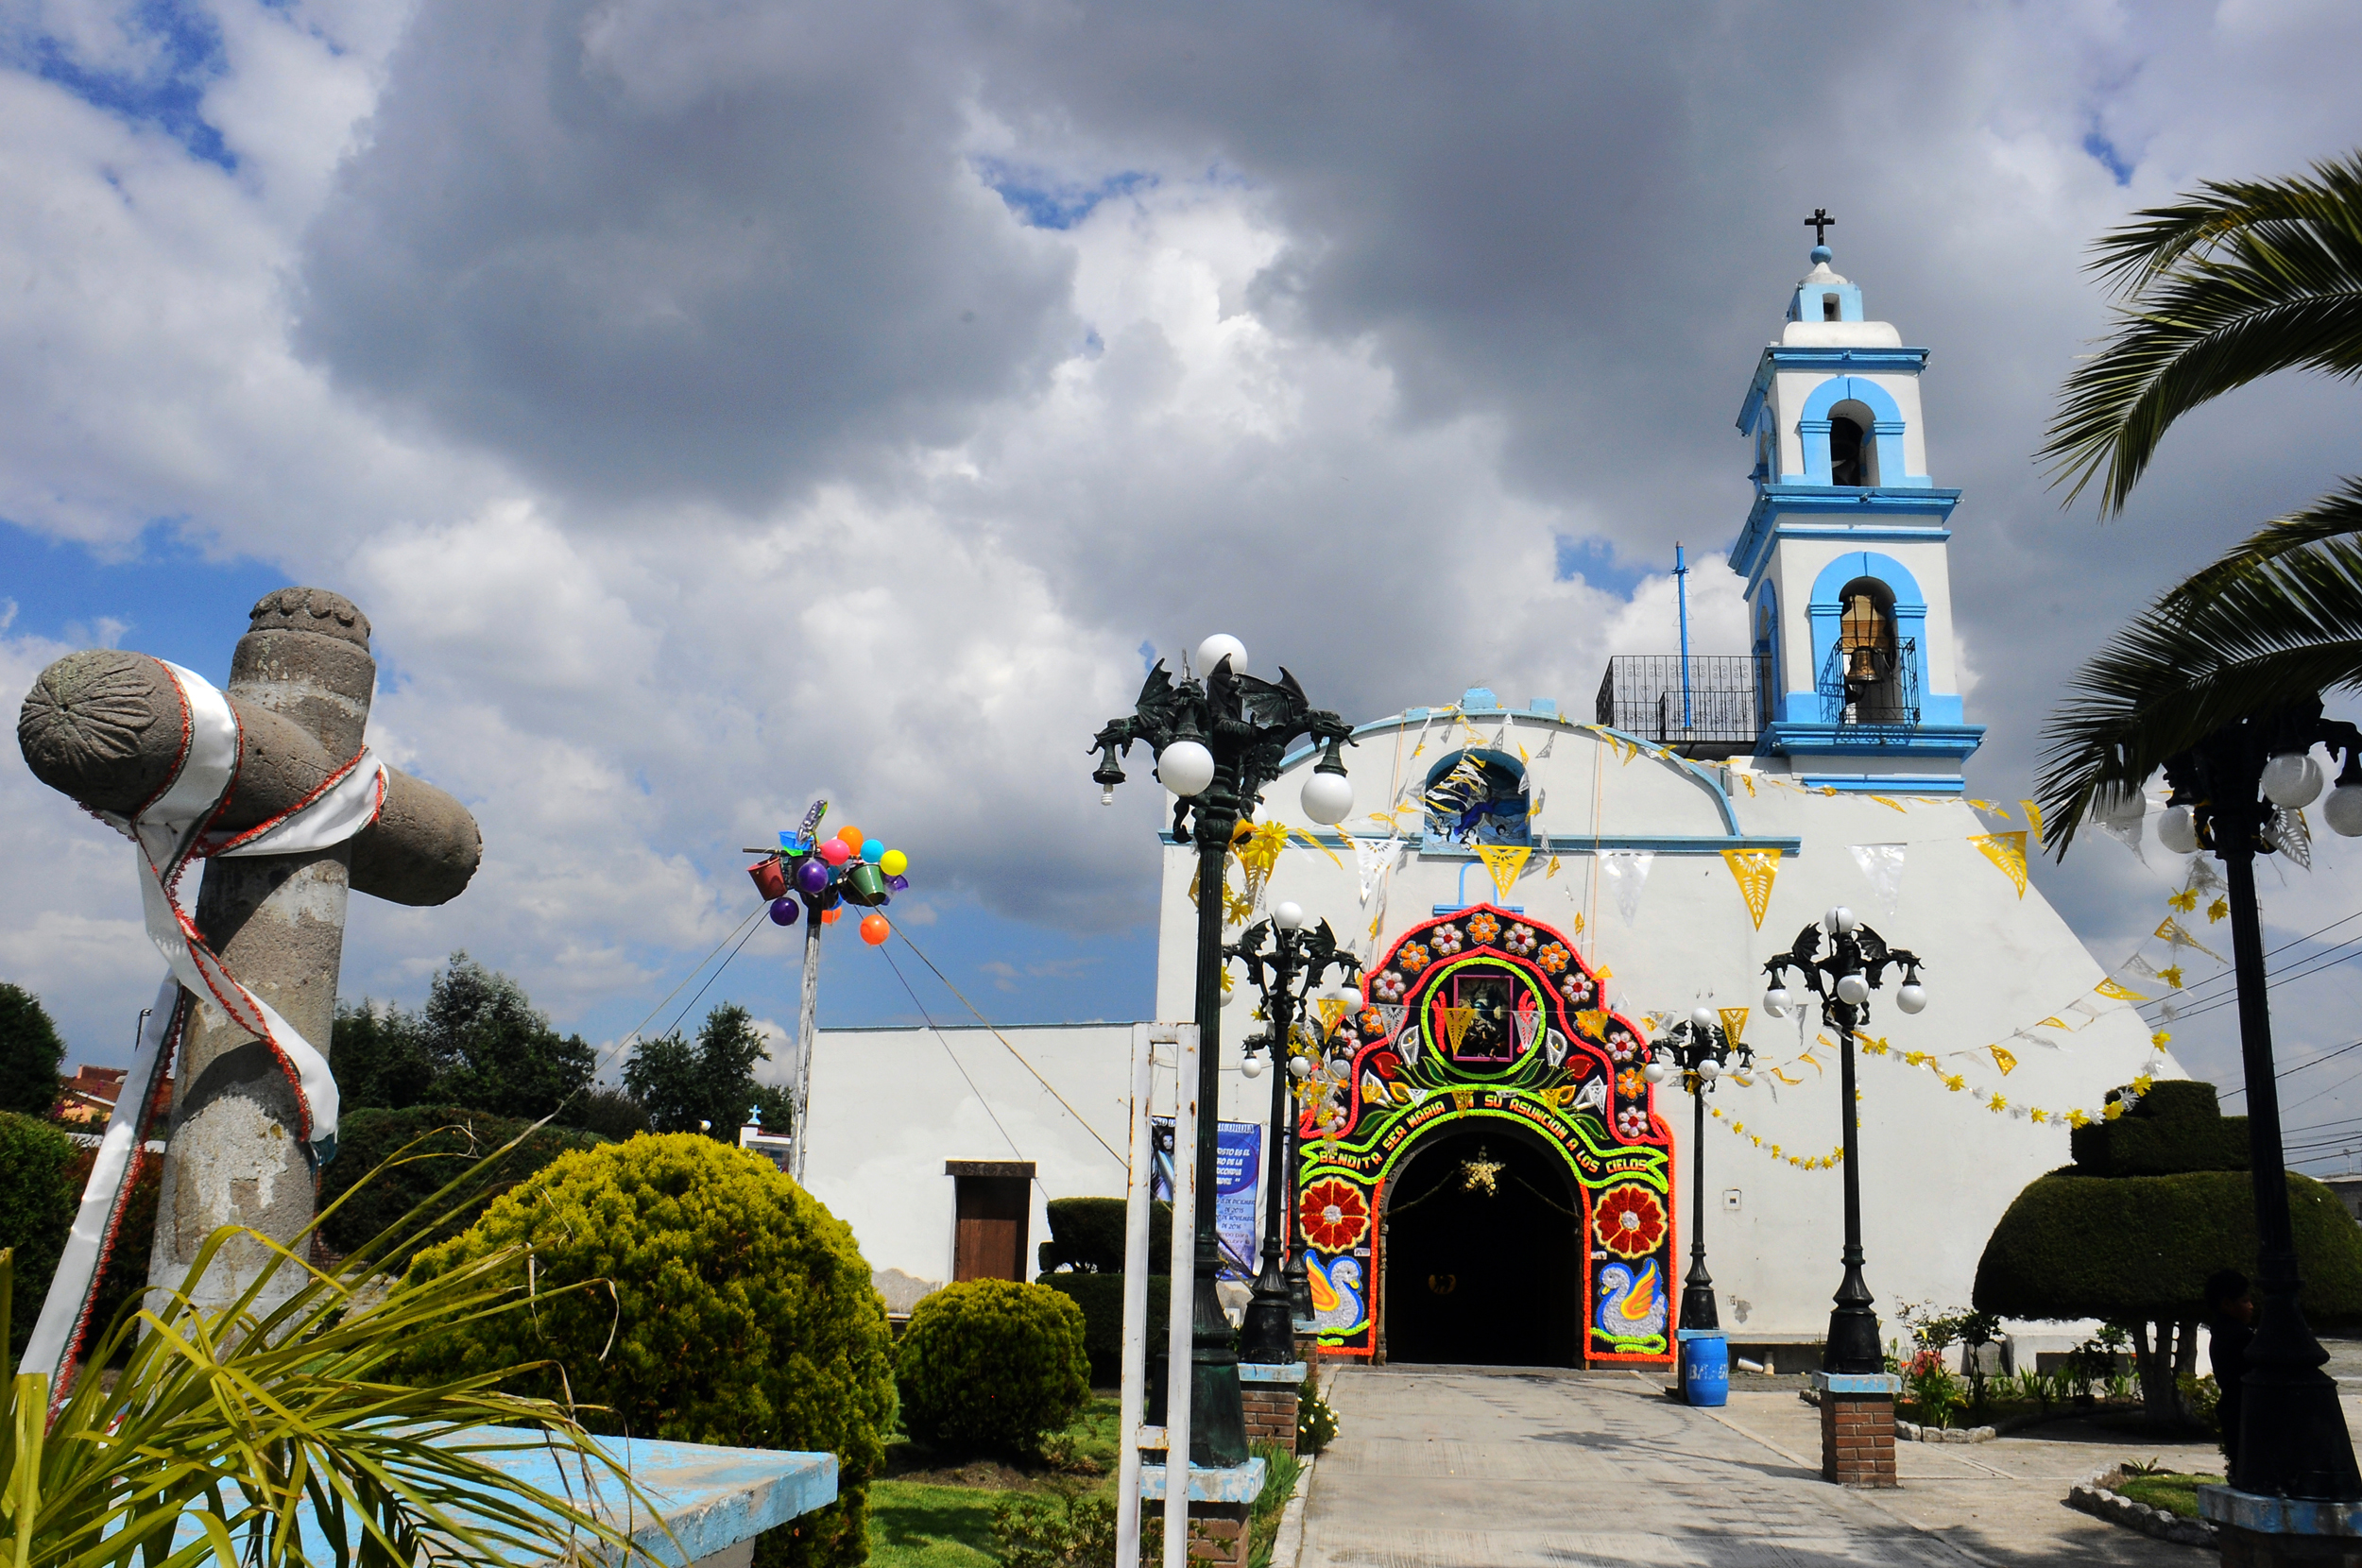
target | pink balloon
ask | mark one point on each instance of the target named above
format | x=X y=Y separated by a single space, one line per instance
x=836 y=851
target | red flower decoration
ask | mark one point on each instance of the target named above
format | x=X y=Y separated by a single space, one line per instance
x=1629 y=1221
x=1387 y=1064
x=1335 y=1214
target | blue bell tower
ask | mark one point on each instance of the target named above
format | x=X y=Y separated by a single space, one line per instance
x=1844 y=554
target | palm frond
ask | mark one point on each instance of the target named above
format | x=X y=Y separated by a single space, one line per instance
x=2335 y=516
x=2129 y=257
x=223 y=1424
x=2284 y=625
x=2236 y=291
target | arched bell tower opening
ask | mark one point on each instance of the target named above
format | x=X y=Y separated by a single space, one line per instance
x=1482 y=1250
x=1870 y=654
x=1852 y=451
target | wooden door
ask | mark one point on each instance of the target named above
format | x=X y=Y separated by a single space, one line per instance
x=992 y=1202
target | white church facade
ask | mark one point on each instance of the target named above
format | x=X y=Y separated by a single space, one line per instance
x=1486 y=1173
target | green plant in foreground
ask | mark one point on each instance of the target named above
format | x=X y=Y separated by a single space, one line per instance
x=222 y=1427
x=1316 y=1423
x=716 y=1301
x=1061 y=1532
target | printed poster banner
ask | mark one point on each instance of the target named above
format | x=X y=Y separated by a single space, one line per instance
x=1238 y=1187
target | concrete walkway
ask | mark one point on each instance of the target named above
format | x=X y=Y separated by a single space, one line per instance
x=1451 y=1466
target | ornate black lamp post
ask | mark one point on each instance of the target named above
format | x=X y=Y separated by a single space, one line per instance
x=1857 y=962
x=1696 y=1052
x=1283 y=961
x=2236 y=793
x=1217 y=742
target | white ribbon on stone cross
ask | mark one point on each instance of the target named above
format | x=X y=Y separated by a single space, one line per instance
x=171 y=831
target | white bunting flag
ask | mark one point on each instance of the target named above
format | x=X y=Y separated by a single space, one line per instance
x=1626 y=871
x=1882 y=863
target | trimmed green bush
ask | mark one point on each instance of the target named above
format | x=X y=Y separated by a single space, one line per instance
x=739 y=1311
x=2077 y=1246
x=2177 y=1127
x=1086 y=1236
x=36 y=1204
x=991 y=1365
x=1101 y=1297
x=450 y=1138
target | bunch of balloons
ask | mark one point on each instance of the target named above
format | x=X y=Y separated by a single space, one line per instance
x=851 y=868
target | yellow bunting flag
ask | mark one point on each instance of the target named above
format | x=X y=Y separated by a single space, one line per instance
x=1330 y=1009
x=2003 y=1059
x=1754 y=870
x=2033 y=818
x=2006 y=850
x=1503 y=861
x=2119 y=993
x=1552 y=871
x=1591 y=1020
x=1892 y=805
x=1733 y=1023
x=1456 y=1022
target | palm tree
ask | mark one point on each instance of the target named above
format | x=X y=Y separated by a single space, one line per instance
x=2228 y=285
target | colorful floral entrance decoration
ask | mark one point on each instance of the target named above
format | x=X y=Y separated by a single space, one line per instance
x=1486 y=1012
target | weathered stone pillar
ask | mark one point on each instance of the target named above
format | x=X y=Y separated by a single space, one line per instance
x=106 y=728
x=278 y=921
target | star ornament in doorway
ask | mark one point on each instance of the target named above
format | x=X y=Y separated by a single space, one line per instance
x=1481 y=1173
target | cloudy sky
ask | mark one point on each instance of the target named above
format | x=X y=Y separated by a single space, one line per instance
x=714 y=404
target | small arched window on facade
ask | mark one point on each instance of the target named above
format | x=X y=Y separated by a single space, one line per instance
x=1869 y=654
x=1853 y=445
x=1479 y=797
x=1766 y=670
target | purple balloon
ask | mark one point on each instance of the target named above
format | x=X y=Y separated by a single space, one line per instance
x=812 y=876
x=784 y=911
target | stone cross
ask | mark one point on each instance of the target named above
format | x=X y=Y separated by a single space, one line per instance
x=105 y=728
x=1821 y=223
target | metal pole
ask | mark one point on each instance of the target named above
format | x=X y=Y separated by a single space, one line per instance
x=807 y=1036
x=1680 y=595
x=1268 y=1335
x=2292 y=1432
x=1698 y=1310
x=1853 y=1345
x=1218 y=1433
x=1138 y=1178
x=1182 y=1329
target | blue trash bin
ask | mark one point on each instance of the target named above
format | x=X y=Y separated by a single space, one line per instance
x=1706 y=1368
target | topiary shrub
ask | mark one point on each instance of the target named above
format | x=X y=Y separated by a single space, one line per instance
x=2176 y=1126
x=991 y=1365
x=449 y=1139
x=739 y=1308
x=36 y=1204
x=1101 y=1299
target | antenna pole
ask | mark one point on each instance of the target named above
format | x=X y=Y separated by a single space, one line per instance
x=1681 y=597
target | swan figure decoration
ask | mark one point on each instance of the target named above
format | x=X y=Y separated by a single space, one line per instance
x=1337 y=1307
x=1631 y=1305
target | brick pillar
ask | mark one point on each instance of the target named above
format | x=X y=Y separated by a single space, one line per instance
x=1857 y=1429
x=1219 y=1534
x=1270 y=1395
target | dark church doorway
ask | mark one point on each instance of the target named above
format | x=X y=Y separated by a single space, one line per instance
x=1482 y=1248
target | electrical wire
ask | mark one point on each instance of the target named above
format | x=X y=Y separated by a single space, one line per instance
x=2302 y=1067
x=1010 y=1049
x=2230 y=974
x=957 y=1065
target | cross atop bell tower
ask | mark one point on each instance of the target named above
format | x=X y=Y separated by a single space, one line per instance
x=1844 y=550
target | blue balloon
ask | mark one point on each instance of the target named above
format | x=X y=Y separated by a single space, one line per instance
x=873 y=850
x=784 y=911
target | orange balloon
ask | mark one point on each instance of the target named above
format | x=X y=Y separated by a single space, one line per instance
x=853 y=836
x=829 y=918
x=875 y=930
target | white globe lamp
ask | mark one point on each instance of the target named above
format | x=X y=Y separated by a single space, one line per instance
x=1186 y=767
x=1911 y=997
x=1289 y=915
x=1701 y=1018
x=2343 y=810
x=1328 y=798
x=1839 y=921
x=1775 y=1002
x=2292 y=780
x=1220 y=646
x=1252 y=1066
x=2177 y=829
x=1853 y=989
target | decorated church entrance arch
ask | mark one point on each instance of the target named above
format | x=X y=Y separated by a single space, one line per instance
x=1480 y=1045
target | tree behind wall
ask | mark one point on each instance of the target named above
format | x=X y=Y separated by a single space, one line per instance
x=707 y=1086
x=2156 y=1201
x=30 y=1054
x=477 y=1043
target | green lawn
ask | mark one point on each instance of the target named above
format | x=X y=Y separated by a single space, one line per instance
x=922 y=1526
x=2175 y=1493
